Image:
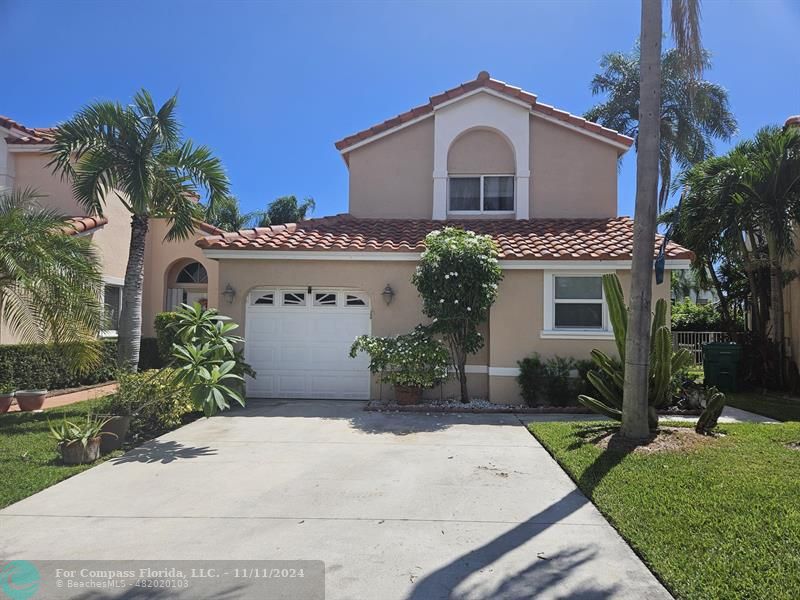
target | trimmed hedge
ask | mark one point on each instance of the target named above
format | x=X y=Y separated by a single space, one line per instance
x=165 y=335
x=43 y=366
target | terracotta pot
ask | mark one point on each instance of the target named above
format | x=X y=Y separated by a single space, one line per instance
x=74 y=453
x=5 y=402
x=31 y=399
x=118 y=425
x=407 y=394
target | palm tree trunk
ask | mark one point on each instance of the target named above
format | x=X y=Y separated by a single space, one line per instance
x=637 y=343
x=130 y=321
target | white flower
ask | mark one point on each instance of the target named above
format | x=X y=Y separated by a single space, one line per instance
x=469 y=309
x=441 y=301
x=456 y=301
x=447 y=276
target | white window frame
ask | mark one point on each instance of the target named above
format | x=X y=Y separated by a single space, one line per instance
x=119 y=286
x=482 y=211
x=550 y=331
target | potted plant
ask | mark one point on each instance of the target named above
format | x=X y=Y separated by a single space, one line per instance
x=79 y=442
x=6 y=396
x=116 y=411
x=28 y=400
x=411 y=362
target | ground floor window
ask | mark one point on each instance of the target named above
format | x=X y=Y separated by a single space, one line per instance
x=574 y=304
x=112 y=304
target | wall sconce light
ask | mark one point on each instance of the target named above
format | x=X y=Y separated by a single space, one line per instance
x=229 y=293
x=388 y=294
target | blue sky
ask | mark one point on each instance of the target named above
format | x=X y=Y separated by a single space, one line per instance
x=271 y=85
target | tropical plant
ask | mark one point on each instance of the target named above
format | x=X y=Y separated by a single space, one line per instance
x=286 y=209
x=547 y=381
x=686 y=32
x=710 y=416
x=68 y=432
x=205 y=358
x=694 y=113
x=152 y=398
x=50 y=281
x=227 y=214
x=663 y=360
x=457 y=278
x=135 y=154
x=413 y=359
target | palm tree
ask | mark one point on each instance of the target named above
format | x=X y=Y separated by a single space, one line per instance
x=286 y=209
x=764 y=176
x=227 y=215
x=50 y=282
x=693 y=113
x=136 y=153
x=686 y=31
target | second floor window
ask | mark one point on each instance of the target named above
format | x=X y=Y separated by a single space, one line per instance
x=481 y=194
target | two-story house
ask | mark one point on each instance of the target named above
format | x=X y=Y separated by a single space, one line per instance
x=484 y=156
x=175 y=272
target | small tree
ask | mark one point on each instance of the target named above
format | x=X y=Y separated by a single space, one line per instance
x=457 y=279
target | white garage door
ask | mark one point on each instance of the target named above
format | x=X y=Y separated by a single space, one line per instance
x=299 y=342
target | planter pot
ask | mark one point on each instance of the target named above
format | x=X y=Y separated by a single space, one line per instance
x=118 y=425
x=74 y=453
x=406 y=394
x=5 y=402
x=31 y=399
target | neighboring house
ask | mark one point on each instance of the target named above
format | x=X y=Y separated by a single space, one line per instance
x=174 y=271
x=484 y=156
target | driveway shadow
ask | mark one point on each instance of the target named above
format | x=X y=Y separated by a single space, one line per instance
x=163 y=452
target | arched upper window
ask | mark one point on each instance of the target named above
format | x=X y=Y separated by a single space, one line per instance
x=194 y=272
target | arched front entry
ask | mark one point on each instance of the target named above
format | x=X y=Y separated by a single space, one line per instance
x=187 y=283
x=298 y=342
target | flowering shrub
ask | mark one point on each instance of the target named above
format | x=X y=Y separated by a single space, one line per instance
x=413 y=359
x=457 y=278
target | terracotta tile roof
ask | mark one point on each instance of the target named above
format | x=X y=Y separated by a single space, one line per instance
x=484 y=81
x=540 y=239
x=77 y=225
x=209 y=228
x=27 y=135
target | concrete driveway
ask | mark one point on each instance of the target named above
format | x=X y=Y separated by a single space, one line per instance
x=396 y=505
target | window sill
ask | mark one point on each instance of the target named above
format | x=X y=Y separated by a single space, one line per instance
x=576 y=334
x=474 y=213
x=107 y=334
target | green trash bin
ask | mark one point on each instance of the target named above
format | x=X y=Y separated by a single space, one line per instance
x=721 y=365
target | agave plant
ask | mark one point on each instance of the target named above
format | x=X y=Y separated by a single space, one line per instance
x=68 y=432
x=663 y=360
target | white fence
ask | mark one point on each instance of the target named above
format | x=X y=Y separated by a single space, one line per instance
x=693 y=341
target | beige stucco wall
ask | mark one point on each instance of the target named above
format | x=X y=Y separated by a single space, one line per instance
x=393 y=177
x=480 y=151
x=112 y=241
x=513 y=330
x=160 y=257
x=516 y=323
x=572 y=175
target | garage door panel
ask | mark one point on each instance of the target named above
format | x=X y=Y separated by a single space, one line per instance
x=303 y=352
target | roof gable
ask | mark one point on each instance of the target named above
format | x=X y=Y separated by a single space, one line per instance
x=484 y=83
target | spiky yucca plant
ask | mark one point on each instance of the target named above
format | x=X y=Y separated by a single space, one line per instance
x=663 y=361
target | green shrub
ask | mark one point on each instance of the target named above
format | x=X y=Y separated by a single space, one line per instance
x=413 y=359
x=149 y=355
x=166 y=335
x=44 y=366
x=159 y=403
x=688 y=316
x=549 y=382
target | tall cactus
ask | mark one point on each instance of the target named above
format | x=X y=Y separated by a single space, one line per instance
x=663 y=361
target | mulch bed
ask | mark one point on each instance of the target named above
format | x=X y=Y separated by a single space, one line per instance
x=457 y=407
x=666 y=439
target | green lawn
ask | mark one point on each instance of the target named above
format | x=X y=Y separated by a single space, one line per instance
x=782 y=409
x=29 y=461
x=722 y=521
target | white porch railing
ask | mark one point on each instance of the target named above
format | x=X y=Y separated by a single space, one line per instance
x=693 y=341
